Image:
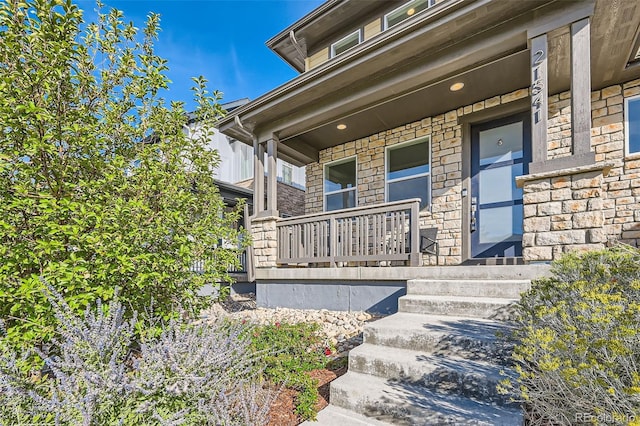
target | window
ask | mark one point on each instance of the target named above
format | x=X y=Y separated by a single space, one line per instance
x=405 y=11
x=243 y=159
x=632 y=124
x=408 y=171
x=635 y=53
x=287 y=173
x=346 y=43
x=340 y=185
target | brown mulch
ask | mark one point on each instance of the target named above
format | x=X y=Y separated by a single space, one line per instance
x=282 y=409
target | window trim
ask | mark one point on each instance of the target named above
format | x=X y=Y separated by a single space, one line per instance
x=332 y=49
x=385 y=21
x=289 y=167
x=355 y=187
x=415 y=141
x=627 y=136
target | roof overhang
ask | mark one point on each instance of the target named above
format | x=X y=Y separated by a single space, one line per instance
x=404 y=74
x=231 y=193
x=332 y=17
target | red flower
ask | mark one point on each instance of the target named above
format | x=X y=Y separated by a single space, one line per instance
x=244 y=321
x=327 y=351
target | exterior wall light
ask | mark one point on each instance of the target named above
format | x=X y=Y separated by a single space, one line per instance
x=456 y=86
x=341 y=126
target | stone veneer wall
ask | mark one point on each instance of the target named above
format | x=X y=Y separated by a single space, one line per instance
x=290 y=200
x=265 y=241
x=621 y=186
x=446 y=171
x=581 y=210
x=563 y=213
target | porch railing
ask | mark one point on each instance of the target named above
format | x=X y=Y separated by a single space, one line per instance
x=198 y=265
x=378 y=233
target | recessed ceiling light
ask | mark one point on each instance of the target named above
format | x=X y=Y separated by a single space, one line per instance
x=456 y=86
x=341 y=126
x=411 y=11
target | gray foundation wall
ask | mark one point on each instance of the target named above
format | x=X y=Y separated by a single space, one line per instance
x=238 y=287
x=370 y=296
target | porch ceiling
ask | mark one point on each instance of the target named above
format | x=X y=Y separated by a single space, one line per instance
x=405 y=75
x=498 y=77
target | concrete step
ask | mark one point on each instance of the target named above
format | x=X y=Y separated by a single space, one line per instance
x=402 y=403
x=510 y=289
x=469 y=378
x=477 y=307
x=333 y=415
x=484 y=272
x=470 y=338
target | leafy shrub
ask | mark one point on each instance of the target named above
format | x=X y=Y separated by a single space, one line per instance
x=579 y=351
x=291 y=350
x=101 y=184
x=193 y=374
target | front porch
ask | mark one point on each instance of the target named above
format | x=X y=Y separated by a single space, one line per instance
x=513 y=136
x=375 y=290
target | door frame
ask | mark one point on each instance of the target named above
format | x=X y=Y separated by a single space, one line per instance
x=466 y=121
x=476 y=168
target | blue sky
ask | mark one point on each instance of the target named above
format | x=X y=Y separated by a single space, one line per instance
x=223 y=40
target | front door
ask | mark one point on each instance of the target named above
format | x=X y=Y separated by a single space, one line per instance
x=500 y=151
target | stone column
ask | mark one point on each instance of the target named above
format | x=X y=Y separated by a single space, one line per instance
x=563 y=212
x=265 y=241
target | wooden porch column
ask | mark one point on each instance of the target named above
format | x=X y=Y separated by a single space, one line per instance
x=258 y=177
x=539 y=98
x=581 y=87
x=581 y=154
x=272 y=176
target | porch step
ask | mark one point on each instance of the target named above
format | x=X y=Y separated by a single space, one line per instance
x=510 y=289
x=484 y=272
x=438 y=360
x=402 y=403
x=478 y=307
x=449 y=375
x=334 y=415
x=442 y=335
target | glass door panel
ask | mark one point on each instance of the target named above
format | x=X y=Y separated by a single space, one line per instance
x=500 y=151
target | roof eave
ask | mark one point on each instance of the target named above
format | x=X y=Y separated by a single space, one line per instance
x=333 y=66
x=302 y=22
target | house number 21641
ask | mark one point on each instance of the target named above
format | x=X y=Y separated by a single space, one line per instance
x=537 y=88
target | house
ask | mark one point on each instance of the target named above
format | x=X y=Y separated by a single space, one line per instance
x=452 y=149
x=508 y=132
x=234 y=173
x=234 y=178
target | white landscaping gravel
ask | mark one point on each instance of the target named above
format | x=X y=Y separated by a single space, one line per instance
x=342 y=330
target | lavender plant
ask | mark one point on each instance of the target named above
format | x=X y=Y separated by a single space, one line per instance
x=192 y=374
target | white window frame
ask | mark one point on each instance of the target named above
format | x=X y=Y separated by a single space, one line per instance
x=242 y=160
x=385 y=20
x=415 y=141
x=627 y=136
x=355 y=186
x=287 y=167
x=332 y=50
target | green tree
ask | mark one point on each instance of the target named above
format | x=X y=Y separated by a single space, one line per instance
x=101 y=184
